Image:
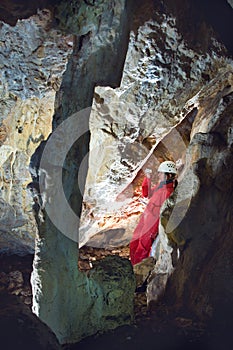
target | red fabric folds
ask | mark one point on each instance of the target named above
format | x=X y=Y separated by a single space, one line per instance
x=147 y=228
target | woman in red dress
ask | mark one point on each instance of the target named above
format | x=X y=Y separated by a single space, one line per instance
x=147 y=228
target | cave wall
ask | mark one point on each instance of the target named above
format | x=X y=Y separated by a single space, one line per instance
x=125 y=120
x=71 y=303
x=171 y=57
x=33 y=57
x=201 y=283
x=160 y=93
x=99 y=33
x=196 y=220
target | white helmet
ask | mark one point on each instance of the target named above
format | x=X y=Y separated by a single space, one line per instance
x=167 y=167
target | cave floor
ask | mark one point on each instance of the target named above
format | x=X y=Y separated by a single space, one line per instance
x=150 y=328
x=157 y=329
x=16 y=270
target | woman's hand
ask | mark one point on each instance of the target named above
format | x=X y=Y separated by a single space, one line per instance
x=148 y=173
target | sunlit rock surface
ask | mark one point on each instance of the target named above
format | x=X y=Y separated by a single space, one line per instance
x=33 y=58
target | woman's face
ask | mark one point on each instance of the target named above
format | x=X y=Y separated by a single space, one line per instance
x=161 y=176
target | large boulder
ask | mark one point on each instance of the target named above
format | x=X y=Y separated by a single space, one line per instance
x=115 y=286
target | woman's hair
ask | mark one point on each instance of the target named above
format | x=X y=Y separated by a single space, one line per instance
x=171 y=176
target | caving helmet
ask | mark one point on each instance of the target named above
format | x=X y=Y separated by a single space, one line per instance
x=167 y=167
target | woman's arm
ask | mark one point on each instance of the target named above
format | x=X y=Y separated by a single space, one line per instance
x=146 y=187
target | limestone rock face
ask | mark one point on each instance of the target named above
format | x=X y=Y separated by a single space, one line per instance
x=69 y=302
x=148 y=118
x=33 y=58
x=174 y=101
x=201 y=239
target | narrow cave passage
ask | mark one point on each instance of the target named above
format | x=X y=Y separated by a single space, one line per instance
x=113 y=234
x=169 y=81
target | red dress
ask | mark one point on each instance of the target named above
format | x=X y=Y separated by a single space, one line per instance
x=147 y=228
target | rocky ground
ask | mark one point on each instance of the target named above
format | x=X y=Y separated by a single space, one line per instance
x=89 y=255
x=15 y=274
x=151 y=328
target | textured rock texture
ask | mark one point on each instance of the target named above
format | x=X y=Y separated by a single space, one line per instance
x=148 y=118
x=78 y=310
x=210 y=143
x=33 y=58
x=174 y=102
x=114 y=289
x=204 y=236
x=194 y=99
